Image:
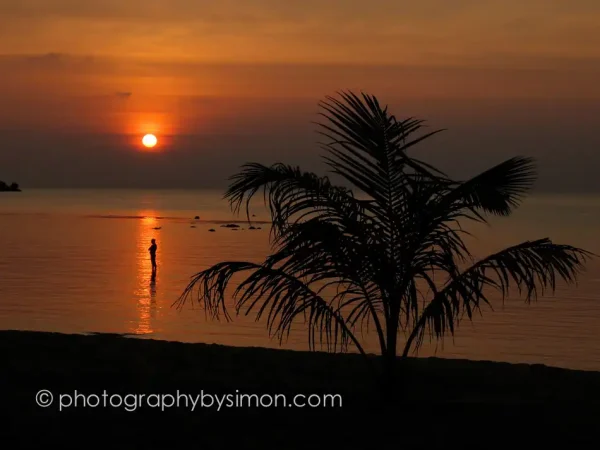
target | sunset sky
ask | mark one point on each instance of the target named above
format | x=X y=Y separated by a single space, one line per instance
x=229 y=81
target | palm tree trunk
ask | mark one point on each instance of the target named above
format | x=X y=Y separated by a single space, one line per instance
x=389 y=375
x=389 y=357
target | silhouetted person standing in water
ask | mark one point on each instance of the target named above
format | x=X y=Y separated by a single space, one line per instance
x=152 y=251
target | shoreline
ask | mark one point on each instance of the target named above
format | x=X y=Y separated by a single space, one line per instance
x=320 y=369
x=443 y=359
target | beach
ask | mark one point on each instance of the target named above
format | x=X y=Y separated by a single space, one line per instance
x=436 y=392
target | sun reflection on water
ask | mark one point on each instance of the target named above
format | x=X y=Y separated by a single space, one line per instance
x=145 y=291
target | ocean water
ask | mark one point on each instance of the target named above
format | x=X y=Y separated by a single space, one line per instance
x=77 y=261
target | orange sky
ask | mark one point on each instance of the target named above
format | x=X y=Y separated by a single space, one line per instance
x=373 y=32
x=195 y=67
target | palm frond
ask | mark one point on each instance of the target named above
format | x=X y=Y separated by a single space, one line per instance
x=292 y=194
x=498 y=190
x=363 y=138
x=533 y=268
x=344 y=255
x=282 y=296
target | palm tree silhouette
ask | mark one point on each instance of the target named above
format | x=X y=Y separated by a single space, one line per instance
x=392 y=258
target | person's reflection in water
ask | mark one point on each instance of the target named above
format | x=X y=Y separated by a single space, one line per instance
x=153 y=294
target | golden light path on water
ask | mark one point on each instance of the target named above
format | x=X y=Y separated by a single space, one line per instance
x=145 y=292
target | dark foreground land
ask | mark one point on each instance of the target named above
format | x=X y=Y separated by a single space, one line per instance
x=444 y=403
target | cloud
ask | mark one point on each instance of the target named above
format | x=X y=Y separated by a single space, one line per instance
x=240 y=11
x=225 y=11
x=56 y=74
x=351 y=31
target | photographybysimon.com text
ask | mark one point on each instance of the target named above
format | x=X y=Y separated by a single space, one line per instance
x=191 y=401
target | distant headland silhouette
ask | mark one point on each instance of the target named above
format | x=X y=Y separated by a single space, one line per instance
x=13 y=187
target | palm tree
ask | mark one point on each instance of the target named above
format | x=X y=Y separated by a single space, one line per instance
x=343 y=260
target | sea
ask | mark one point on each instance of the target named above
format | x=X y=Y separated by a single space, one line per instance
x=76 y=261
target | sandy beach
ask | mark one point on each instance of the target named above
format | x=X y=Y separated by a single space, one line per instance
x=106 y=368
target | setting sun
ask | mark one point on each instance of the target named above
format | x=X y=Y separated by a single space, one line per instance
x=149 y=140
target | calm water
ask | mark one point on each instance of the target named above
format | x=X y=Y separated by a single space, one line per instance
x=77 y=261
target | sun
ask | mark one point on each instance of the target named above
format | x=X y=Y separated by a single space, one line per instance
x=149 y=140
